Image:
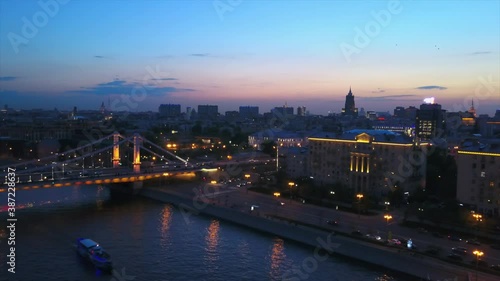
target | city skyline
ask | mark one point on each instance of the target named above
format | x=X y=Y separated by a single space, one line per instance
x=142 y=54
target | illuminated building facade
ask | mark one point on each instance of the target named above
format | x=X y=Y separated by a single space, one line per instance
x=367 y=161
x=478 y=180
x=430 y=121
x=282 y=138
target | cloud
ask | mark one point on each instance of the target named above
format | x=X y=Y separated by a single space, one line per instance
x=378 y=91
x=407 y=97
x=164 y=79
x=127 y=88
x=113 y=83
x=200 y=55
x=431 y=88
x=480 y=53
x=7 y=78
x=101 y=57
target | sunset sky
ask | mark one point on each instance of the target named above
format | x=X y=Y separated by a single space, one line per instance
x=139 y=54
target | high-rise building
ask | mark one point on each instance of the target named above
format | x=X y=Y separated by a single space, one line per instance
x=399 y=112
x=169 y=110
x=350 y=108
x=301 y=111
x=190 y=113
x=411 y=112
x=233 y=114
x=208 y=111
x=102 y=109
x=430 y=121
x=283 y=111
x=249 y=111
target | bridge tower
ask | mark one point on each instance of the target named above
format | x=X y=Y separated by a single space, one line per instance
x=137 y=153
x=116 y=150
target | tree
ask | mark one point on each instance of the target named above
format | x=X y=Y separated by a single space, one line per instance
x=269 y=147
x=197 y=129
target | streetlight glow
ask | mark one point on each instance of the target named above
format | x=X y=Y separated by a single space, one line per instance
x=478 y=254
x=388 y=217
x=359 y=196
x=478 y=217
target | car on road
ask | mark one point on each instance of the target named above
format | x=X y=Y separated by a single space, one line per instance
x=395 y=242
x=495 y=267
x=374 y=237
x=357 y=233
x=333 y=222
x=455 y=257
x=454 y=238
x=422 y=230
x=254 y=207
x=459 y=251
x=473 y=242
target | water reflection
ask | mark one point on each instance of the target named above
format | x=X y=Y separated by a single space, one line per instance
x=212 y=240
x=166 y=218
x=99 y=197
x=76 y=193
x=277 y=258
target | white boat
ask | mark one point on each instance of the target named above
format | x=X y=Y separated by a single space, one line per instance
x=93 y=252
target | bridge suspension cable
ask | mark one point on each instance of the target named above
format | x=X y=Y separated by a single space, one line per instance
x=57 y=154
x=164 y=150
x=76 y=158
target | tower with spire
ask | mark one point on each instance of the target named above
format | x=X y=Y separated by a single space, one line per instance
x=350 y=108
x=472 y=110
x=103 y=108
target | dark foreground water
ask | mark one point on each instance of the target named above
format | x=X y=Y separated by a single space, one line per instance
x=153 y=241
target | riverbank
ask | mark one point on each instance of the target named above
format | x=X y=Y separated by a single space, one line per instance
x=420 y=267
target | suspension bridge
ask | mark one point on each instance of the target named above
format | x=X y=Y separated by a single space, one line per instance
x=110 y=160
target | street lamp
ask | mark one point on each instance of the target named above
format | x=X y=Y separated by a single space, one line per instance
x=478 y=218
x=359 y=196
x=387 y=203
x=291 y=184
x=478 y=254
x=388 y=217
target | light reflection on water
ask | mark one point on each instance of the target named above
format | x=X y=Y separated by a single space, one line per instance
x=277 y=258
x=212 y=242
x=165 y=220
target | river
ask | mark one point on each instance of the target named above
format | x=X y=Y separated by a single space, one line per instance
x=149 y=240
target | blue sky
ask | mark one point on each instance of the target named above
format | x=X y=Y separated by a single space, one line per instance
x=139 y=54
